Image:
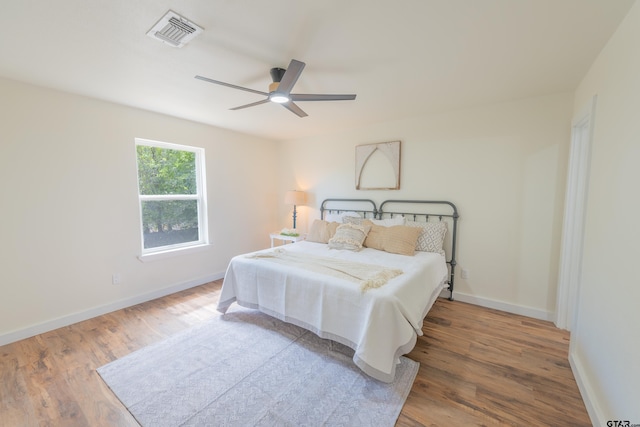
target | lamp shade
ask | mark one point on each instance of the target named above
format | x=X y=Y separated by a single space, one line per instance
x=295 y=198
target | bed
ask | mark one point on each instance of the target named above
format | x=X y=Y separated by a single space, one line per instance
x=372 y=299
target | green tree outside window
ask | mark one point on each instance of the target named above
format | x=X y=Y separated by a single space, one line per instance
x=168 y=188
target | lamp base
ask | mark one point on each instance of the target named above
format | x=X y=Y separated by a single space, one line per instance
x=295 y=214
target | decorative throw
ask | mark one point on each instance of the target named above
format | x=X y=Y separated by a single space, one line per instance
x=368 y=276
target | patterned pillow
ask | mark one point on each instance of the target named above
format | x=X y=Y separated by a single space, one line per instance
x=431 y=238
x=322 y=231
x=349 y=236
x=352 y=220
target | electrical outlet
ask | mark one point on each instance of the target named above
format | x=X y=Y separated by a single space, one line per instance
x=116 y=278
x=465 y=273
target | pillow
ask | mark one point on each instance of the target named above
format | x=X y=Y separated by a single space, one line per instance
x=339 y=217
x=353 y=220
x=388 y=222
x=396 y=239
x=431 y=238
x=349 y=236
x=322 y=231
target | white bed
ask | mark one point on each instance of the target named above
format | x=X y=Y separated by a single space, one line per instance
x=379 y=324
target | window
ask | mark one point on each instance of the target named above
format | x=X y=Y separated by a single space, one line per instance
x=172 y=196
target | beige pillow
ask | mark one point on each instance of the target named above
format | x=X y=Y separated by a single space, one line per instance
x=397 y=239
x=349 y=236
x=375 y=237
x=432 y=234
x=321 y=231
x=401 y=239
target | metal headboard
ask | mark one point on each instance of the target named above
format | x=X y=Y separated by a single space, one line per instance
x=440 y=210
x=366 y=207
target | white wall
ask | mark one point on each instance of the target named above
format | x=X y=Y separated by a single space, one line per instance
x=503 y=165
x=605 y=345
x=69 y=216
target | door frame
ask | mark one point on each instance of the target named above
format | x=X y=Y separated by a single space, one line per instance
x=569 y=277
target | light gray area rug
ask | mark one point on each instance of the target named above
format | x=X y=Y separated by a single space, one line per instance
x=248 y=369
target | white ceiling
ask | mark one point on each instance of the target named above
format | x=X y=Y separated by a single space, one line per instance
x=402 y=58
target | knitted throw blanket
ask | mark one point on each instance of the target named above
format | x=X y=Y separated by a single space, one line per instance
x=368 y=276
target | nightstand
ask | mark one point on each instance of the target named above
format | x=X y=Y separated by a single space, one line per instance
x=276 y=235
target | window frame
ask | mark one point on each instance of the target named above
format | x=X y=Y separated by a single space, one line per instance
x=200 y=197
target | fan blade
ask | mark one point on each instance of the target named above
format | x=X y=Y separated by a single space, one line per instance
x=290 y=76
x=316 y=97
x=264 y=101
x=294 y=109
x=232 y=86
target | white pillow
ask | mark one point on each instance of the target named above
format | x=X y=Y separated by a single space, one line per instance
x=389 y=222
x=339 y=217
x=431 y=238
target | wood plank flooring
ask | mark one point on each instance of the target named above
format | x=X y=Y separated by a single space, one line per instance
x=486 y=367
x=478 y=367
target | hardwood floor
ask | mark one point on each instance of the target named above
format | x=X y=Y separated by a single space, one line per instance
x=478 y=367
x=486 y=367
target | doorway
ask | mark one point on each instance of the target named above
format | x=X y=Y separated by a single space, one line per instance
x=574 y=217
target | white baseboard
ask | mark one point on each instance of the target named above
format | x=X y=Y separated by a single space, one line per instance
x=586 y=390
x=535 y=313
x=70 y=319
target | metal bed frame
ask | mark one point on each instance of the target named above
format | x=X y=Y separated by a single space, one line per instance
x=360 y=206
x=442 y=210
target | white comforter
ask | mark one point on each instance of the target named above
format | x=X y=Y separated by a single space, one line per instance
x=380 y=324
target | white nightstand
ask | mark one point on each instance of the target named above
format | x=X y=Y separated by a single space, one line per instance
x=276 y=235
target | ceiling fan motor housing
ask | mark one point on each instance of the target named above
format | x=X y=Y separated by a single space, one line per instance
x=276 y=74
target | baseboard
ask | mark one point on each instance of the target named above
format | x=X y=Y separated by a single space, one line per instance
x=70 y=319
x=505 y=306
x=586 y=390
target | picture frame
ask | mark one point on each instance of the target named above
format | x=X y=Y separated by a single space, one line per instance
x=378 y=166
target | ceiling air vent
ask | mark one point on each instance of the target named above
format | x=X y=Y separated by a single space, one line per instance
x=174 y=30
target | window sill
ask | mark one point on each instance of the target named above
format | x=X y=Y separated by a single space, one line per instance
x=173 y=253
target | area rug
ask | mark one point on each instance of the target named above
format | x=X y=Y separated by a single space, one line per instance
x=248 y=369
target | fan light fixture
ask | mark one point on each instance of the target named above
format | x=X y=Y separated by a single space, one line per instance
x=278 y=98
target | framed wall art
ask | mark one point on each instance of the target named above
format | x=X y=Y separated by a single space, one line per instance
x=378 y=166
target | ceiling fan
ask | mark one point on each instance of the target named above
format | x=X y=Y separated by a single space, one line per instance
x=280 y=89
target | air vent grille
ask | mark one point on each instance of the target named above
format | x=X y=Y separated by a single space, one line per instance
x=174 y=30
